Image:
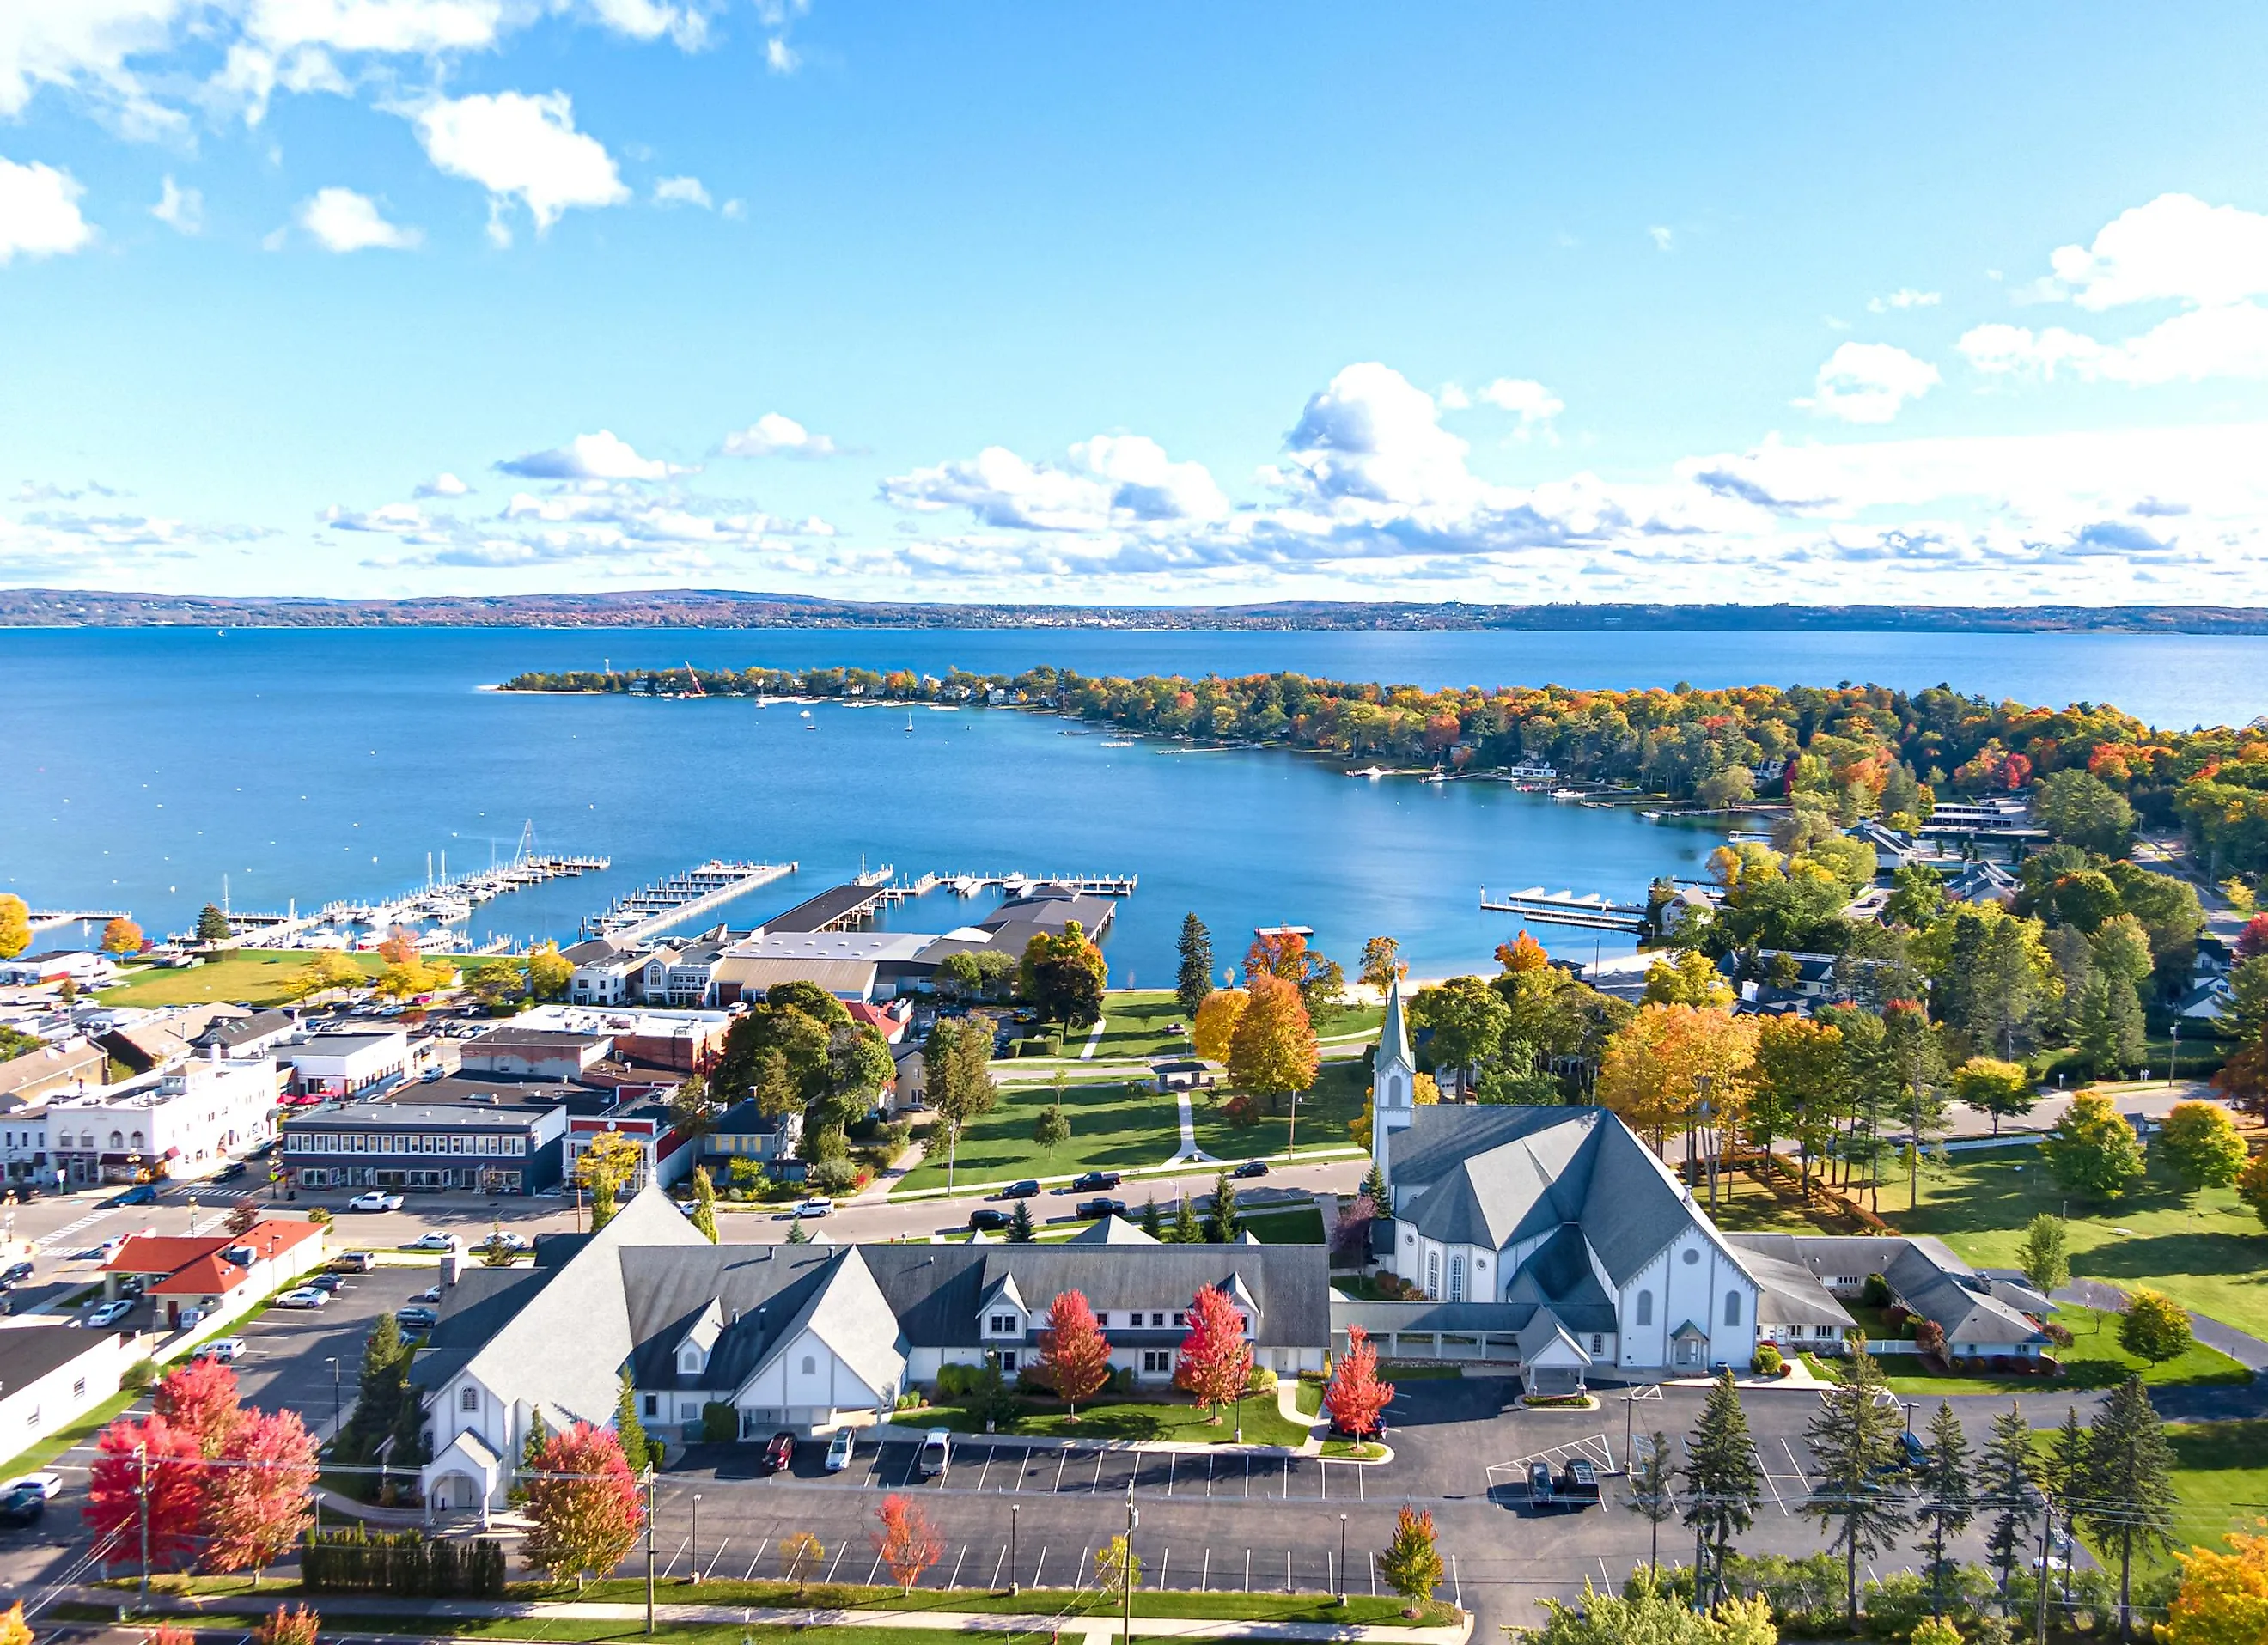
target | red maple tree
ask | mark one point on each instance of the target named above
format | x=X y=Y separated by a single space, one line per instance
x=200 y=1397
x=1215 y=1363
x=256 y=1506
x=906 y=1539
x=288 y=1625
x=1356 y=1396
x=177 y=1491
x=1073 y=1351
x=584 y=1501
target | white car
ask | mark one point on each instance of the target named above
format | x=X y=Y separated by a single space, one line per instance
x=48 y=1485
x=814 y=1207
x=838 y=1451
x=110 y=1313
x=227 y=1351
x=302 y=1297
x=375 y=1202
x=507 y=1241
x=434 y=1241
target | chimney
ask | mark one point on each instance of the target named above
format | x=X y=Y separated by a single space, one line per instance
x=451 y=1261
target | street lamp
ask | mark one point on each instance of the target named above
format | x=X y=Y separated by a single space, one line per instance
x=696 y=1576
x=1343 y=1581
x=335 y=1395
x=2174 y=1056
x=1014 y=1586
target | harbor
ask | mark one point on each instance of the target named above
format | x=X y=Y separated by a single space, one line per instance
x=653 y=909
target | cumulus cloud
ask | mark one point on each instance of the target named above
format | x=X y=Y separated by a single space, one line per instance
x=600 y=456
x=780 y=57
x=38 y=212
x=85 y=46
x=1124 y=481
x=1869 y=382
x=342 y=220
x=180 y=209
x=441 y=485
x=2206 y=342
x=681 y=191
x=773 y=435
x=1904 y=297
x=520 y=147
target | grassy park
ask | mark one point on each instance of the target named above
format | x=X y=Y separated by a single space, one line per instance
x=2094 y=1360
x=245 y=977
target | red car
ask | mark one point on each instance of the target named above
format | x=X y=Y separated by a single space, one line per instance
x=780 y=1450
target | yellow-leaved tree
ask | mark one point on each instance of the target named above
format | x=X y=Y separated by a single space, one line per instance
x=1658 y=1067
x=1273 y=1052
x=1216 y=1024
x=2224 y=1596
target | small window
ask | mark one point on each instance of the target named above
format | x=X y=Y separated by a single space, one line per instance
x=469 y=1398
x=1181 y=1320
x=1157 y=1361
x=1598 y=1342
x=654 y=1405
x=1732 y=1308
x=1157 y=1319
x=1645 y=1308
x=810 y=1365
x=78 y=1389
x=1692 y=1255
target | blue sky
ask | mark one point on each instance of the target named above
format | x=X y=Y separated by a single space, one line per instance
x=1173 y=303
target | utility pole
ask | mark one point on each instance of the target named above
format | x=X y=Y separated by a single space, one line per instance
x=1126 y=1571
x=142 y=1496
x=2047 y=1534
x=648 y=1548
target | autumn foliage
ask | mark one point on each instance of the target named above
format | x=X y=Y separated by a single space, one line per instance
x=255 y=1511
x=1215 y=1362
x=1273 y=1051
x=1652 y=1070
x=287 y=1625
x=1216 y=1024
x=584 y=1503
x=177 y=1487
x=200 y=1397
x=1356 y=1397
x=1074 y=1354
x=906 y=1539
x=2224 y=1596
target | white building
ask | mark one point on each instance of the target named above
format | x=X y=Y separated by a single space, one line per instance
x=339 y=1065
x=186 y=1123
x=51 y=1377
x=605 y=973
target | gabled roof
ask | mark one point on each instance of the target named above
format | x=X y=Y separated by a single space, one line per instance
x=1116 y=1230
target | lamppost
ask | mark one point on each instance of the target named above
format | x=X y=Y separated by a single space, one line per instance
x=695 y=1575
x=1343 y=1581
x=334 y=1363
x=2174 y=1056
x=1015 y=1586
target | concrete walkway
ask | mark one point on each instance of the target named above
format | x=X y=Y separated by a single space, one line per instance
x=808 y=1617
x=1093 y=1040
x=1190 y=1153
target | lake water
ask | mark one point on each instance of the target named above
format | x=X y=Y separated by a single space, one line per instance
x=147 y=764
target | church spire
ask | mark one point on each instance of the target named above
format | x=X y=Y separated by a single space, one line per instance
x=1394 y=1038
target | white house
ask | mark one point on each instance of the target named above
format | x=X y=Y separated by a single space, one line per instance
x=51 y=1377
x=339 y=1065
x=185 y=1123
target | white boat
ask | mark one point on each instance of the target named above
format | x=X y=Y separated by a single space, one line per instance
x=1651 y=816
x=1118 y=743
x=1566 y=794
x=806 y=714
x=909 y=724
x=1437 y=777
x=1373 y=772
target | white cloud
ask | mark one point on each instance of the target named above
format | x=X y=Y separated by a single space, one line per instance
x=512 y=145
x=2175 y=248
x=441 y=485
x=1371 y=435
x=38 y=212
x=773 y=435
x=342 y=220
x=1869 y=382
x=85 y=46
x=643 y=19
x=681 y=191
x=1534 y=405
x=180 y=210
x=2206 y=342
x=1663 y=239
x=1124 y=481
x=780 y=57
x=1904 y=297
x=600 y=456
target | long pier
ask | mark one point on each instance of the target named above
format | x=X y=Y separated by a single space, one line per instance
x=1592 y=912
x=445 y=900
x=645 y=912
x=1016 y=883
x=49 y=919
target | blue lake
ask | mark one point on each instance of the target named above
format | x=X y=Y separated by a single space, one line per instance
x=147 y=764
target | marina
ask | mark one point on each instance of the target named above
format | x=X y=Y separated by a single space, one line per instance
x=653 y=908
x=1592 y=912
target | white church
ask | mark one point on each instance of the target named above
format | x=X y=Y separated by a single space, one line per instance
x=1558 y=1228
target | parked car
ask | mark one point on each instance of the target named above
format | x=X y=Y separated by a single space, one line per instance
x=133 y=1285
x=1539 y=1485
x=328 y=1283
x=434 y=1240
x=25 y=1507
x=818 y=1205
x=936 y=1452
x=110 y=1313
x=1093 y=1180
x=417 y=1316
x=16 y=1272
x=140 y=1193
x=375 y=1202
x=505 y=1241
x=430 y=1294
x=779 y=1451
x=230 y=1171
x=1096 y=1209
x=302 y=1297
x=354 y=1262
x=1578 y=1483
x=48 y=1485
x=227 y=1351
x=1027 y=1189
x=983 y=1217
x=838 y=1451
x=1251 y=1168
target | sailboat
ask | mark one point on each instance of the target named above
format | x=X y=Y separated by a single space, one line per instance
x=909 y=725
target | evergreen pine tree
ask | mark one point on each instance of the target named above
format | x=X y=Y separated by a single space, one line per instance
x=629 y=1433
x=1854 y=1440
x=378 y=1392
x=1151 y=1223
x=1194 y=980
x=1020 y=1230
x=1374 y=1186
x=2129 y=1487
x=1948 y=1501
x=2065 y=1467
x=1185 y=1232
x=1652 y=1491
x=1722 y=1482
x=2008 y=1491
x=1223 y=1222
x=797 y=1234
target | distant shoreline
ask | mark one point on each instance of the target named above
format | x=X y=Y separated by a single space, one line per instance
x=735 y=610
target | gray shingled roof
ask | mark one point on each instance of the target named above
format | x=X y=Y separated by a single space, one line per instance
x=1923 y=1273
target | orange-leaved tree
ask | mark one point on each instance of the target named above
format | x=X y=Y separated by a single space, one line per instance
x=584 y=1501
x=906 y=1539
x=200 y=1397
x=1658 y=1065
x=2224 y=1596
x=256 y=1507
x=1522 y=954
x=1356 y=1396
x=1216 y=1361
x=293 y=1625
x=1074 y=1354
x=1273 y=1051
x=122 y=935
x=175 y=1470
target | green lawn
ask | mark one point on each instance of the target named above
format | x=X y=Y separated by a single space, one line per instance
x=1113 y=1125
x=1324 y=1113
x=2094 y=1360
x=2221 y=1474
x=1302 y=1225
x=2208 y=1251
x=1263 y=1423
x=246 y=977
x=1134 y=1026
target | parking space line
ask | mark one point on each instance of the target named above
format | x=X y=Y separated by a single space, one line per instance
x=753 y=1558
x=1204 y=1578
x=840 y=1550
x=719 y=1554
x=1037 y=1569
x=1324 y=1468
x=1169 y=1472
x=1209 y=1460
x=1164 y=1560
x=1248 y=1473
x=954 y=1579
x=1801 y=1477
x=1764 y=1470
x=1358 y=1495
x=1093 y=1490
x=997 y=1564
x=986 y=1469
x=1062 y=1458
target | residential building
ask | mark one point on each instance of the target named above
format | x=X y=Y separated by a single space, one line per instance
x=681 y=1041
x=72 y=1063
x=745 y=1132
x=52 y=1377
x=685 y=975
x=147 y=1042
x=665 y=1155
x=809 y=1337
x=254 y=1035
x=341 y=1064
x=186 y=1123
x=205 y=1281
x=1981 y=1316
x=605 y=973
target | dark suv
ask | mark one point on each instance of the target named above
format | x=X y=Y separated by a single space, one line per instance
x=985 y=1217
x=1027 y=1189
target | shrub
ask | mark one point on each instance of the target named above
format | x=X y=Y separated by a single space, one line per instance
x=2058 y=1332
x=721 y=1423
x=1262 y=1381
x=1929 y=1336
x=2153 y=1328
x=832 y=1176
x=1768 y=1361
x=138 y=1377
x=1875 y=1293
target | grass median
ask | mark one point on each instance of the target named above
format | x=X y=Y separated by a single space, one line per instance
x=1110 y=1422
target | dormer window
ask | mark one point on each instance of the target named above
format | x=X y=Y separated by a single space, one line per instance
x=1005 y=1325
x=691 y=1362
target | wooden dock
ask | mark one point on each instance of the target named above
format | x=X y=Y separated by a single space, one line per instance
x=1016 y=884
x=1592 y=912
x=645 y=912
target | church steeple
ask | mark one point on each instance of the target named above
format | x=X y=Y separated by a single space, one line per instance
x=1393 y=1083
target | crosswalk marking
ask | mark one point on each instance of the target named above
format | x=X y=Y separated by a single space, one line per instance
x=70 y=1229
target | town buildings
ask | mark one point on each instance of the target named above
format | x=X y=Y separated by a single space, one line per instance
x=209 y=1281
x=183 y=1123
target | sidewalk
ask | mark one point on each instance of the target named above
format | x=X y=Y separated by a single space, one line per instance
x=745 y=1616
